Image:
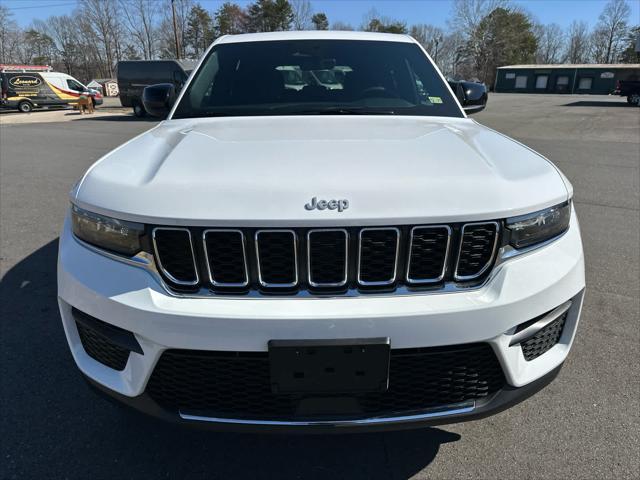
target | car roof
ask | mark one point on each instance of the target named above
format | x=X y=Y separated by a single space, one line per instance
x=315 y=35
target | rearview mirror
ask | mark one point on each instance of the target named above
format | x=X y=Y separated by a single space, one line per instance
x=158 y=99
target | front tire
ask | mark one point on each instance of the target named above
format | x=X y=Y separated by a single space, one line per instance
x=25 y=107
x=138 y=110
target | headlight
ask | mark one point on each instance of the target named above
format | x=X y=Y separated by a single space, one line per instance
x=527 y=230
x=105 y=232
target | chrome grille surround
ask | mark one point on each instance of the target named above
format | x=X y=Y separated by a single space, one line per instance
x=408 y=278
x=295 y=259
x=463 y=278
x=395 y=268
x=343 y=282
x=289 y=274
x=208 y=259
x=193 y=256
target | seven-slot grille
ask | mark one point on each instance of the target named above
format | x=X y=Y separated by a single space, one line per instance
x=324 y=260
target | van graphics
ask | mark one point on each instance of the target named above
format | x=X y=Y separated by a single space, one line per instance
x=25 y=81
x=64 y=94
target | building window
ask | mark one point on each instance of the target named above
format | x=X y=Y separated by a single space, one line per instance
x=521 y=81
x=585 y=83
x=541 y=81
x=562 y=80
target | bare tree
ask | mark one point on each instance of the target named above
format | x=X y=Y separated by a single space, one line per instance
x=372 y=21
x=341 y=26
x=467 y=14
x=451 y=54
x=427 y=36
x=10 y=36
x=551 y=41
x=302 y=13
x=610 y=32
x=141 y=18
x=101 y=19
x=168 y=49
x=578 y=47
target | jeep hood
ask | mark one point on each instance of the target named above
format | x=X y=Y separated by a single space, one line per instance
x=261 y=171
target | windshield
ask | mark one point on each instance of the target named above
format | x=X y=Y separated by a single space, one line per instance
x=307 y=77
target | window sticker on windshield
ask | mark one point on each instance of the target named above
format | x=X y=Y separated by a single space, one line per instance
x=435 y=99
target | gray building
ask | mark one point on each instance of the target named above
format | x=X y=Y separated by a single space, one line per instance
x=566 y=78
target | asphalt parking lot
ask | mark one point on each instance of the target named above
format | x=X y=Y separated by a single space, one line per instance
x=584 y=425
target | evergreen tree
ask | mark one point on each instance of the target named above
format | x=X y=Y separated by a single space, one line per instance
x=320 y=21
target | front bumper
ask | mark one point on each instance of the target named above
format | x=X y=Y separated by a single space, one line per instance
x=502 y=400
x=128 y=297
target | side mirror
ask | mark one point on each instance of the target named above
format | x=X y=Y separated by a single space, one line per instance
x=158 y=99
x=471 y=109
x=475 y=97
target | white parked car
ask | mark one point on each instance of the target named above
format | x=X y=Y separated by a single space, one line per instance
x=357 y=258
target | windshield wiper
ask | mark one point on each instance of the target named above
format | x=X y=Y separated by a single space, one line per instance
x=341 y=111
x=206 y=114
x=282 y=110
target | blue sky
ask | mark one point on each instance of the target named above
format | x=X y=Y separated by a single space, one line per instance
x=435 y=12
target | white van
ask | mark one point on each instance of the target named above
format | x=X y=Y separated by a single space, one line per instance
x=25 y=88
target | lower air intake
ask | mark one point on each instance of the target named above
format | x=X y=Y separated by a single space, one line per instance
x=542 y=341
x=237 y=384
x=101 y=349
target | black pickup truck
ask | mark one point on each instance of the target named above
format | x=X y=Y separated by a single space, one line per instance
x=629 y=89
x=135 y=75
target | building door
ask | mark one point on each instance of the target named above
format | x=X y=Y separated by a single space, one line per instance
x=562 y=83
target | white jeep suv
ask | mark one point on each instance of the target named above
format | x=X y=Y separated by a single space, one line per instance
x=310 y=258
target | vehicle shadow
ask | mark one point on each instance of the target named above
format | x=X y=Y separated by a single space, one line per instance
x=595 y=103
x=54 y=426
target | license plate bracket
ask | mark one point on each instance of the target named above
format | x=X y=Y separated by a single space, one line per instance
x=353 y=365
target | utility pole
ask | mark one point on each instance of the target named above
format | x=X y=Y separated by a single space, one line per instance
x=175 y=29
x=437 y=41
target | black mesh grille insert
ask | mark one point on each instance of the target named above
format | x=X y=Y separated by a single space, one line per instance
x=476 y=250
x=428 y=254
x=542 y=341
x=237 y=385
x=226 y=256
x=277 y=258
x=378 y=252
x=327 y=257
x=175 y=255
x=101 y=349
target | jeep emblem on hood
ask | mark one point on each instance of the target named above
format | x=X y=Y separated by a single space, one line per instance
x=339 y=205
